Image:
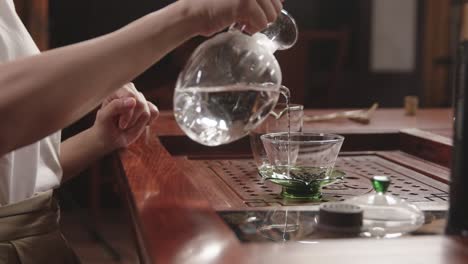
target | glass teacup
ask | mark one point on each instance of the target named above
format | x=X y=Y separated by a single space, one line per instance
x=301 y=163
x=277 y=121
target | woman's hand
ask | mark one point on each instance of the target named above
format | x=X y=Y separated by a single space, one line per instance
x=123 y=117
x=216 y=15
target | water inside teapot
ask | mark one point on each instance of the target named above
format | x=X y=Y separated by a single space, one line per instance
x=218 y=115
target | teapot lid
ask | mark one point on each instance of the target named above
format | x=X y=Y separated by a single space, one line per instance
x=283 y=31
x=282 y=34
x=385 y=214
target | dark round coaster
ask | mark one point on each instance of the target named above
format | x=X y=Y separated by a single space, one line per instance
x=340 y=217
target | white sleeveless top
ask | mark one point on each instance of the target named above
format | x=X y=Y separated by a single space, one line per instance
x=34 y=168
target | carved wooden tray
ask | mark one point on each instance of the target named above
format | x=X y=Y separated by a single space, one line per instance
x=235 y=183
x=416 y=163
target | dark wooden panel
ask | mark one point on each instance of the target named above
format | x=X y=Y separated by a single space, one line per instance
x=384 y=120
x=427 y=145
x=177 y=145
x=35 y=16
x=438 y=20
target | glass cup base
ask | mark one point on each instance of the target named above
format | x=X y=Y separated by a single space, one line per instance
x=296 y=190
x=302 y=193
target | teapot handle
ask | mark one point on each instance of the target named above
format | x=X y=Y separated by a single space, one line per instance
x=286 y=93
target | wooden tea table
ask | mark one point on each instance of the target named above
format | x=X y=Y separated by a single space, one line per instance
x=177 y=192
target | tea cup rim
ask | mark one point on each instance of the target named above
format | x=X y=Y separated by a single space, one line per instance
x=334 y=138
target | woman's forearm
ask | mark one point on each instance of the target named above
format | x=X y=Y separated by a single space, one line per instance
x=80 y=151
x=44 y=93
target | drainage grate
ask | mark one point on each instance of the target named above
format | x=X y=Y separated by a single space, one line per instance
x=242 y=177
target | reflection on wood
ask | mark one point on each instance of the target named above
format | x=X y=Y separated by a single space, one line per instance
x=174 y=220
x=430 y=250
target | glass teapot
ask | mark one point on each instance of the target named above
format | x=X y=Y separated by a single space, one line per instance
x=231 y=82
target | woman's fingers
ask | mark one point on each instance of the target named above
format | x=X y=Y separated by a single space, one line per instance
x=255 y=17
x=154 y=112
x=217 y=14
x=132 y=133
x=126 y=117
x=268 y=9
x=141 y=109
x=278 y=5
x=116 y=107
x=256 y=14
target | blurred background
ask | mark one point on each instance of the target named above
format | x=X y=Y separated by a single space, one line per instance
x=350 y=54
